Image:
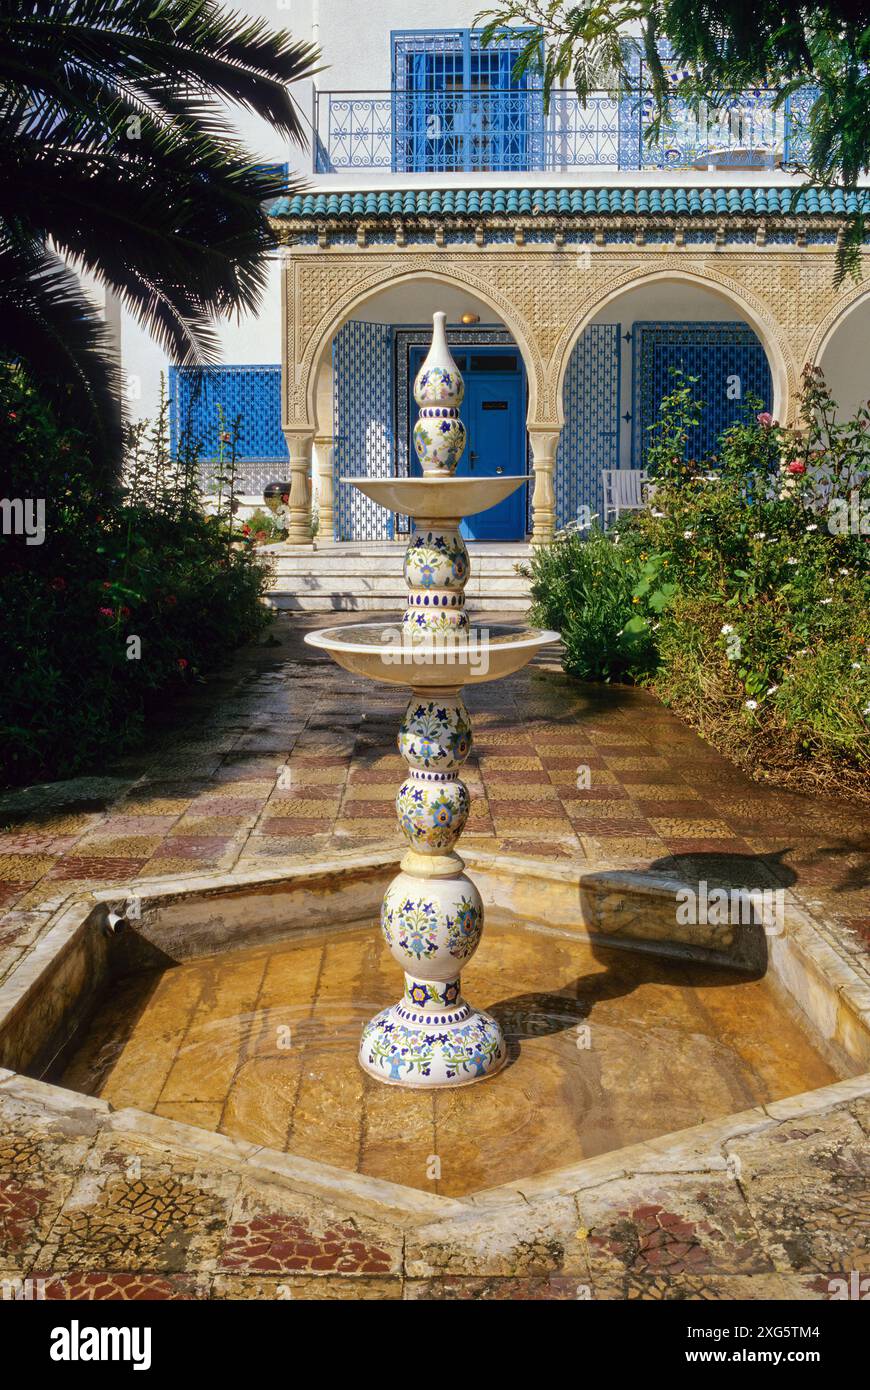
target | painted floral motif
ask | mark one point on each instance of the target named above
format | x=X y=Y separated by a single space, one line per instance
x=432 y=815
x=463 y=930
x=439 y=443
x=436 y=560
x=435 y=736
x=439 y=385
x=423 y=992
x=413 y=925
x=425 y=622
x=469 y=1049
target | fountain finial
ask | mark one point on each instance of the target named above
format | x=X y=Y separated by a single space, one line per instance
x=439 y=434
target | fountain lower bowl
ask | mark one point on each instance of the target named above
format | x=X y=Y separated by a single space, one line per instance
x=384 y=652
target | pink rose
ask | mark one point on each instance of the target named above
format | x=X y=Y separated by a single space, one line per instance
x=765 y=419
x=797 y=467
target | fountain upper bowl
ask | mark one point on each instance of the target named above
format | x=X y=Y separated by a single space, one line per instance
x=434 y=498
x=385 y=652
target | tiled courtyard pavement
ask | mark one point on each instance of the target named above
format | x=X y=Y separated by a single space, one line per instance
x=287 y=755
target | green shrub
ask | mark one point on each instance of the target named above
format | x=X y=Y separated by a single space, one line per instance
x=133 y=595
x=585 y=589
x=749 y=600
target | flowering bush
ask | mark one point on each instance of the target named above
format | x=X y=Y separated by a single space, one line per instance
x=132 y=595
x=745 y=588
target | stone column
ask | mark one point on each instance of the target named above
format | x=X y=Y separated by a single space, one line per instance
x=299 y=444
x=544 y=442
x=324 y=451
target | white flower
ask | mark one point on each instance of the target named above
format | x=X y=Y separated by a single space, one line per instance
x=826 y=600
x=726 y=628
x=752 y=704
x=856 y=666
x=792 y=561
x=772 y=689
x=657 y=515
x=814 y=527
x=760 y=536
x=866 y=709
x=687 y=535
x=844 y=571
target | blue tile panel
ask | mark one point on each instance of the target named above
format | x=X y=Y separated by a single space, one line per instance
x=590 y=436
x=252 y=392
x=680 y=202
x=724 y=357
x=362 y=364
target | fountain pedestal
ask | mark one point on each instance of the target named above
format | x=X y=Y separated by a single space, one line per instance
x=432 y=914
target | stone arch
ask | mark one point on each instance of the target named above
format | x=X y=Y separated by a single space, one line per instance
x=783 y=369
x=342 y=307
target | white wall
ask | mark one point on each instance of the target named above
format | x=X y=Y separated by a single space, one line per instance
x=846 y=360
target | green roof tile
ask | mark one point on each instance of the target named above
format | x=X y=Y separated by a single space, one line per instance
x=586 y=201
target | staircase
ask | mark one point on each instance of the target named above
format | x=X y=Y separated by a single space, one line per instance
x=355 y=576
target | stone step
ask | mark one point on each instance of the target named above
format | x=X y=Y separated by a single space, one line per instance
x=368 y=576
x=391 y=584
x=298 y=566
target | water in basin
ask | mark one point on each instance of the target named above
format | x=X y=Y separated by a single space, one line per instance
x=608 y=1047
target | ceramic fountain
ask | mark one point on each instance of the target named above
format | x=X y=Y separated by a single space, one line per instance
x=432 y=914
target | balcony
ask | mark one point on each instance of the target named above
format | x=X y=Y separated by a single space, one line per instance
x=496 y=131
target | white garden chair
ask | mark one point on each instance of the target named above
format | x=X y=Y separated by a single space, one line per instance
x=625 y=490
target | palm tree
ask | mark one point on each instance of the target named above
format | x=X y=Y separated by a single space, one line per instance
x=116 y=154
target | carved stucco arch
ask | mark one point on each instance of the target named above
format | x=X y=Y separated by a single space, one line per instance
x=783 y=367
x=833 y=320
x=341 y=308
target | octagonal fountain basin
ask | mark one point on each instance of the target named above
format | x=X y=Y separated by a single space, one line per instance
x=229 y=1010
x=439 y=497
x=385 y=652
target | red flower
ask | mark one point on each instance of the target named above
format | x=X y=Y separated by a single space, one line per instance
x=171 y=600
x=182 y=663
x=285 y=497
x=125 y=612
x=106 y=612
x=58 y=583
x=13 y=415
x=797 y=467
x=246 y=530
x=226 y=438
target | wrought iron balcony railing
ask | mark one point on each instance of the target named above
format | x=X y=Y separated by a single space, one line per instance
x=509 y=132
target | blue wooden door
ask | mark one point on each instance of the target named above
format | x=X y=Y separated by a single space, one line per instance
x=493 y=414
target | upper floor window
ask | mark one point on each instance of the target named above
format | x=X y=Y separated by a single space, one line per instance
x=458 y=105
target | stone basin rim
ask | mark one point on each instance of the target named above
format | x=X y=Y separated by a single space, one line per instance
x=325 y=637
x=694 y=1148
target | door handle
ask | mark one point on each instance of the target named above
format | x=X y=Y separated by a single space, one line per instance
x=499 y=469
x=472 y=460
